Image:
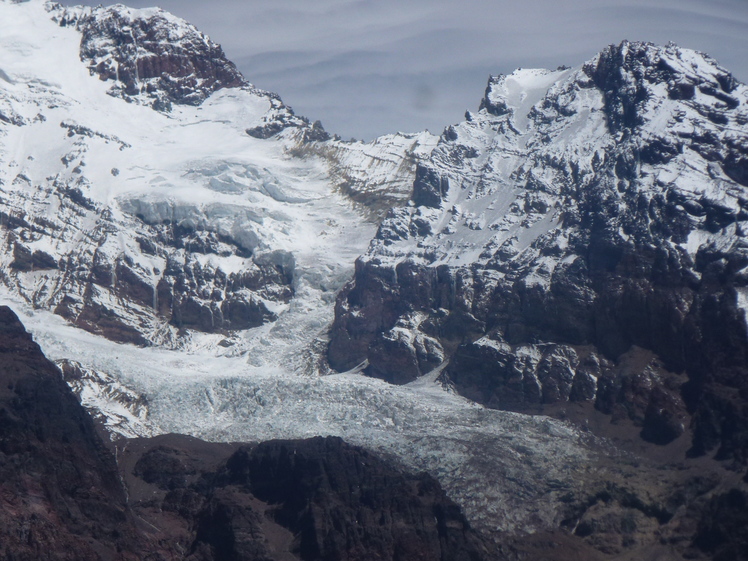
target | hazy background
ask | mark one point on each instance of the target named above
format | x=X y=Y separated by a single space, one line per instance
x=369 y=67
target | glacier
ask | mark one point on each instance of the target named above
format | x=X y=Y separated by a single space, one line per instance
x=135 y=223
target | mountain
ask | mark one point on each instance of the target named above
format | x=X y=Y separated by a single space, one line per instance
x=542 y=309
x=172 y=211
x=579 y=239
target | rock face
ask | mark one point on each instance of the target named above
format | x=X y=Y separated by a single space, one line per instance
x=297 y=499
x=580 y=238
x=60 y=492
x=341 y=502
x=157 y=59
x=721 y=527
x=151 y=53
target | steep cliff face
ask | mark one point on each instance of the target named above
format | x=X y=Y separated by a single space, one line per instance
x=580 y=238
x=60 y=492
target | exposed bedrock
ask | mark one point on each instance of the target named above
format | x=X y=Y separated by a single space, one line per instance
x=295 y=499
x=60 y=492
x=187 y=292
x=157 y=55
x=177 y=268
x=516 y=345
x=341 y=502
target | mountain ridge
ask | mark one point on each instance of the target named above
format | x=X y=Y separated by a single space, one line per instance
x=569 y=222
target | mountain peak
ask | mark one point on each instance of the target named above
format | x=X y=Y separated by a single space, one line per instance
x=567 y=210
x=150 y=54
x=517 y=92
x=634 y=75
x=669 y=61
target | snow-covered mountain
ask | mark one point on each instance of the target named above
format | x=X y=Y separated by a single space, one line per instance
x=170 y=211
x=181 y=260
x=580 y=238
x=201 y=260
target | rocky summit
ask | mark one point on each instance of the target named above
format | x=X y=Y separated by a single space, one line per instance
x=523 y=339
x=581 y=238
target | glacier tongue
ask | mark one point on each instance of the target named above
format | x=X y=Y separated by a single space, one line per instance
x=154 y=391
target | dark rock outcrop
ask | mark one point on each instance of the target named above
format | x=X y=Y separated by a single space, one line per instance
x=156 y=54
x=342 y=502
x=60 y=492
x=302 y=499
x=721 y=530
x=158 y=59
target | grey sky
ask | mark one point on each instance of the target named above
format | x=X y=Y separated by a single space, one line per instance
x=368 y=67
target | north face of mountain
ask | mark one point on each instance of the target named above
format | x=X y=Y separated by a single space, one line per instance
x=581 y=238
